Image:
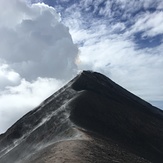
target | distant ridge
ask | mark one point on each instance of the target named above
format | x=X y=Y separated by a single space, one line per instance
x=91 y=119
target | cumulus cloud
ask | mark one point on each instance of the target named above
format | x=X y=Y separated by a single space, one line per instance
x=37 y=42
x=8 y=77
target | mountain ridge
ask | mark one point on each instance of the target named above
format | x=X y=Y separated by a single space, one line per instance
x=90 y=108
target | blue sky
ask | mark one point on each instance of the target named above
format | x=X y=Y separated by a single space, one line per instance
x=122 y=39
x=46 y=43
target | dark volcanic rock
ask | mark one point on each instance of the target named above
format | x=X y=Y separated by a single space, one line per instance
x=89 y=120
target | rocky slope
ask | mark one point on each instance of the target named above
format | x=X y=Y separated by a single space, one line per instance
x=89 y=120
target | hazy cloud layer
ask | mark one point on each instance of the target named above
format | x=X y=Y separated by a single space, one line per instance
x=18 y=100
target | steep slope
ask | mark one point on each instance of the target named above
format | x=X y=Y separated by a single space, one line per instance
x=91 y=119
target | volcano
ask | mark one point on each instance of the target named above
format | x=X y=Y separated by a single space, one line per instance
x=90 y=120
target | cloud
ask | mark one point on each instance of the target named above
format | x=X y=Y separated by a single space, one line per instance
x=37 y=42
x=105 y=32
x=8 y=77
x=18 y=100
x=124 y=9
x=150 y=23
x=136 y=70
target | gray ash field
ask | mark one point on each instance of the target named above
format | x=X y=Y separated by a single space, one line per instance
x=89 y=120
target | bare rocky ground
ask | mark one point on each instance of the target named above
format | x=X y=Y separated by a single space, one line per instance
x=89 y=149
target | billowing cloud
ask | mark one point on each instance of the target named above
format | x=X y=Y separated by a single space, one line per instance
x=8 y=77
x=35 y=43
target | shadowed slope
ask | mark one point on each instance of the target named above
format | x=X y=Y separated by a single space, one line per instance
x=114 y=112
x=90 y=113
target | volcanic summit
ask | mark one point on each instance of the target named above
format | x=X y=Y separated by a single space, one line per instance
x=90 y=120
